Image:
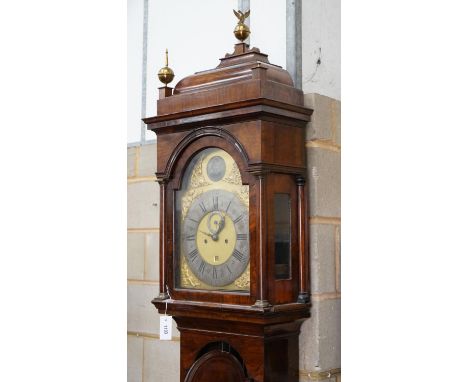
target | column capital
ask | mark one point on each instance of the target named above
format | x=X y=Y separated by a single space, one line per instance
x=300 y=180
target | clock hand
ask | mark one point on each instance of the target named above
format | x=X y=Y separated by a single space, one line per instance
x=213 y=236
x=206 y=233
x=221 y=224
x=214 y=232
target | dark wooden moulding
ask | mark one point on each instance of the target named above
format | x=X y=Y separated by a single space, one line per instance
x=249 y=108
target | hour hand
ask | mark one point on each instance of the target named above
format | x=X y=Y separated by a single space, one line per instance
x=219 y=225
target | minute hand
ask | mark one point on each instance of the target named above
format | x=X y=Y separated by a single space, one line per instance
x=207 y=234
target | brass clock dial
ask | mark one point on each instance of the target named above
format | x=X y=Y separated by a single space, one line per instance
x=212 y=225
x=215 y=234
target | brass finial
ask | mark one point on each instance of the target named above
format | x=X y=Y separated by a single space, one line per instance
x=166 y=74
x=241 y=31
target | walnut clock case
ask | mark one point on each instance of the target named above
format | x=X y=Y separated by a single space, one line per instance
x=234 y=269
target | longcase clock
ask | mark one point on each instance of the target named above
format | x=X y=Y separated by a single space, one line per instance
x=234 y=269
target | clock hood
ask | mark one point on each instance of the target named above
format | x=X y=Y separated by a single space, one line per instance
x=244 y=75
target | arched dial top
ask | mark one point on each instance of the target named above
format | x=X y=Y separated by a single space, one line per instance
x=216 y=233
x=212 y=225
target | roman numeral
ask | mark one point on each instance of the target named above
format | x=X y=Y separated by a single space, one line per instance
x=229 y=269
x=202 y=206
x=229 y=205
x=238 y=219
x=193 y=255
x=238 y=255
x=195 y=221
x=241 y=236
x=190 y=237
x=215 y=273
x=201 y=267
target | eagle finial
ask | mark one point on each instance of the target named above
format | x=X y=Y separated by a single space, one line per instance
x=242 y=31
x=241 y=15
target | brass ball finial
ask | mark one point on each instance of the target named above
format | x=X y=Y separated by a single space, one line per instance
x=241 y=31
x=166 y=74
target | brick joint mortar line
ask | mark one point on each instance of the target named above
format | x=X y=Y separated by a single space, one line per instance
x=142 y=230
x=334 y=124
x=145 y=254
x=334 y=220
x=143 y=282
x=137 y=161
x=141 y=179
x=325 y=144
x=152 y=336
x=337 y=259
x=320 y=375
x=143 y=360
x=326 y=296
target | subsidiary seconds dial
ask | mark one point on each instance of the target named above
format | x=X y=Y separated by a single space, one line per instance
x=216 y=237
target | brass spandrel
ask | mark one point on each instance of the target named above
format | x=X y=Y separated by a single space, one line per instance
x=188 y=198
x=244 y=195
x=198 y=178
x=187 y=278
x=233 y=176
x=243 y=282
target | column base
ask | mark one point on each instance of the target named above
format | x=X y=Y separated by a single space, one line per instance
x=303 y=298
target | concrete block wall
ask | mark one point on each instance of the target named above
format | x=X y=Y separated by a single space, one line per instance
x=148 y=358
x=321 y=82
x=319 y=342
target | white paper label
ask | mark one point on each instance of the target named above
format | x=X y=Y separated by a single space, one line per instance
x=165 y=327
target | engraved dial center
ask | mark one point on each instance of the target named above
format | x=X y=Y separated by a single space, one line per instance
x=216 y=252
